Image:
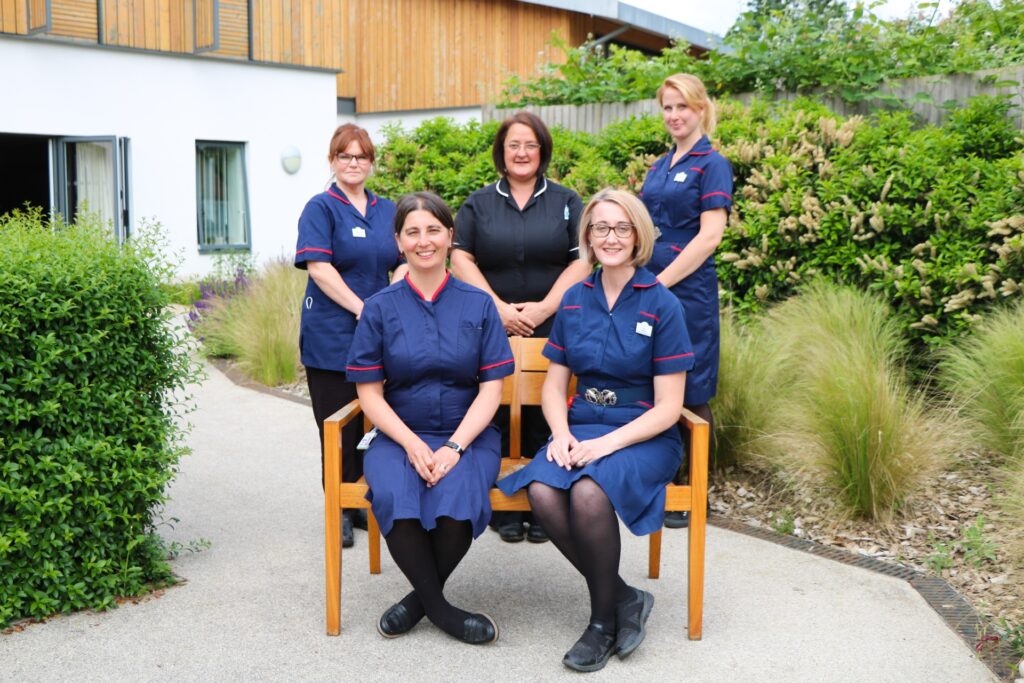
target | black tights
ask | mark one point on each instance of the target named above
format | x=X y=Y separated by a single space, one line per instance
x=581 y=523
x=428 y=558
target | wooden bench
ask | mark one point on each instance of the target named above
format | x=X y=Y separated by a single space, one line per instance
x=521 y=388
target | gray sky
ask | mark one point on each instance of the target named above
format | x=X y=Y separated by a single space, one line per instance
x=718 y=16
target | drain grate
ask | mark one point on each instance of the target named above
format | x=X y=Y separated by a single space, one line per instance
x=958 y=614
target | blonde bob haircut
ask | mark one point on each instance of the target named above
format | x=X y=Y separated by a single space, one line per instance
x=637 y=214
x=696 y=97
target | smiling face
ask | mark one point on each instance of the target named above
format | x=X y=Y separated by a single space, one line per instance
x=682 y=121
x=612 y=250
x=351 y=166
x=424 y=240
x=522 y=153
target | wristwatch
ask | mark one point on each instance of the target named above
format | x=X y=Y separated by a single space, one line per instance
x=455 y=447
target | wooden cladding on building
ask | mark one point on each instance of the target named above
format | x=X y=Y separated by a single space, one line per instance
x=302 y=32
x=422 y=54
x=299 y=32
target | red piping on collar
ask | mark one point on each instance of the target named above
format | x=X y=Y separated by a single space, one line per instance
x=438 y=291
x=641 y=285
x=587 y=283
x=338 y=197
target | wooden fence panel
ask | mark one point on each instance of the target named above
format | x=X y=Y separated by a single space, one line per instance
x=592 y=118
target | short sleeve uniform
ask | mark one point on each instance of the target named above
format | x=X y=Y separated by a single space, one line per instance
x=623 y=349
x=361 y=248
x=520 y=252
x=433 y=354
x=676 y=195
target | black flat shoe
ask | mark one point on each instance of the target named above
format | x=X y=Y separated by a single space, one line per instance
x=348 y=538
x=511 y=533
x=536 y=533
x=677 y=520
x=631 y=618
x=592 y=650
x=479 y=629
x=395 y=621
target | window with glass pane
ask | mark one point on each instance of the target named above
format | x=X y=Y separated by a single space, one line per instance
x=222 y=201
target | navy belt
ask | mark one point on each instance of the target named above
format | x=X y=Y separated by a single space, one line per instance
x=614 y=396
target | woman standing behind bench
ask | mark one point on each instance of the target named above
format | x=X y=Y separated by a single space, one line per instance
x=616 y=446
x=345 y=244
x=689 y=194
x=517 y=241
x=440 y=346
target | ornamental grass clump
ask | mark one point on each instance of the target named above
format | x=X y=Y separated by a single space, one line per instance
x=985 y=374
x=92 y=373
x=746 y=406
x=851 y=418
x=259 y=327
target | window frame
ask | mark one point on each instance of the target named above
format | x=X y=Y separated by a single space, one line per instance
x=245 y=246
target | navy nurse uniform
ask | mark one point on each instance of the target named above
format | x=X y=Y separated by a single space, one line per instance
x=363 y=250
x=675 y=196
x=623 y=349
x=433 y=356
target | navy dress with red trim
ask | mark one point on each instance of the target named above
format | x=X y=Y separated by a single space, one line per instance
x=676 y=195
x=434 y=353
x=643 y=335
x=361 y=248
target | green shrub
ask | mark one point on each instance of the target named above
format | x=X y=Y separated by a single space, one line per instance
x=849 y=414
x=91 y=373
x=259 y=326
x=985 y=372
x=1013 y=502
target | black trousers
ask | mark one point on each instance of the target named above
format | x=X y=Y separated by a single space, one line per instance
x=329 y=391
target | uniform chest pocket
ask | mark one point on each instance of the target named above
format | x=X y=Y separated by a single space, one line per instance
x=640 y=340
x=468 y=346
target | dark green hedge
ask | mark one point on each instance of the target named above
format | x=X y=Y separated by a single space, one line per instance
x=89 y=436
x=931 y=217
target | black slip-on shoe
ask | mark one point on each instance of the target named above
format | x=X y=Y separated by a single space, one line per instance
x=631 y=619
x=395 y=621
x=592 y=650
x=512 y=533
x=677 y=520
x=348 y=538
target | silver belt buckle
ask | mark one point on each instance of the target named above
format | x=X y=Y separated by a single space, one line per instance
x=601 y=397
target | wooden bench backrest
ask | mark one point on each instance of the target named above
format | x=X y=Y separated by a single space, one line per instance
x=523 y=387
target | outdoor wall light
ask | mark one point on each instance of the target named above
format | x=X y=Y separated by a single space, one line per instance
x=291 y=160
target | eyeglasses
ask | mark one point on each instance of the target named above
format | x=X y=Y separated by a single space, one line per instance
x=347 y=159
x=514 y=147
x=622 y=230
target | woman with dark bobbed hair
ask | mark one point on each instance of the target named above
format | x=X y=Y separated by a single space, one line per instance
x=428 y=359
x=517 y=241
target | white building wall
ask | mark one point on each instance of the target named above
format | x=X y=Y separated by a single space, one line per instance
x=374 y=123
x=164 y=104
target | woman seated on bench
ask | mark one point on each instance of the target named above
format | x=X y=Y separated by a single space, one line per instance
x=441 y=347
x=616 y=446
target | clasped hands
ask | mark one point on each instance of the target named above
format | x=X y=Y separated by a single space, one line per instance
x=565 y=451
x=523 y=318
x=432 y=466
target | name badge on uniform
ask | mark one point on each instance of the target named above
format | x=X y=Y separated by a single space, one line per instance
x=645 y=328
x=364 y=443
x=358 y=232
x=566 y=212
x=680 y=177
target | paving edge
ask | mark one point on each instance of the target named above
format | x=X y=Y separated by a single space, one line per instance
x=952 y=607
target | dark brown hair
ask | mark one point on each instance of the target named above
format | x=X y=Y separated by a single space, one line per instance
x=422 y=201
x=534 y=123
x=345 y=135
